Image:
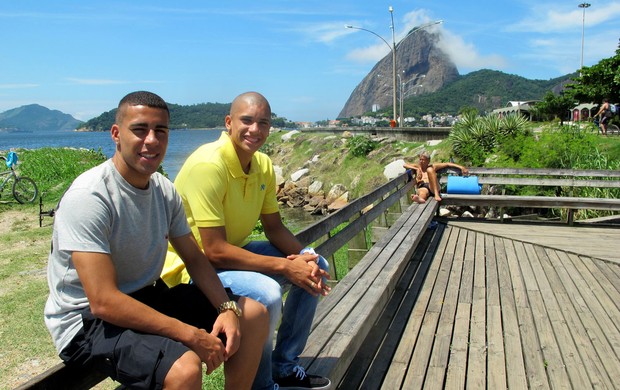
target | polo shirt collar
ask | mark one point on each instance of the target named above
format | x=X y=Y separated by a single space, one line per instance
x=229 y=155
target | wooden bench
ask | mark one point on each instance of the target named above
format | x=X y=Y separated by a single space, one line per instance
x=357 y=216
x=345 y=317
x=566 y=180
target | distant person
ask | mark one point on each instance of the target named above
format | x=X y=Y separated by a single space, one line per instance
x=226 y=187
x=426 y=181
x=107 y=303
x=605 y=114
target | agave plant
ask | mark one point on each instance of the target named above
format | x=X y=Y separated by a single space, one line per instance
x=513 y=125
x=460 y=137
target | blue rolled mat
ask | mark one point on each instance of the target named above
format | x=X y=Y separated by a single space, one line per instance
x=463 y=185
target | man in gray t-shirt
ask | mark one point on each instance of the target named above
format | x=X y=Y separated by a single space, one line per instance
x=107 y=303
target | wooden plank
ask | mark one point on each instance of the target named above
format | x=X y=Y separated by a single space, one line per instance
x=460 y=346
x=373 y=359
x=477 y=366
x=597 y=242
x=542 y=182
x=438 y=363
x=553 y=363
x=400 y=361
x=318 y=229
x=65 y=377
x=532 y=353
x=569 y=358
x=601 y=329
x=545 y=172
x=466 y=291
x=414 y=378
x=339 y=239
x=531 y=201
x=607 y=294
x=455 y=376
x=515 y=364
x=496 y=367
x=579 y=330
x=611 y=272
x=343 y=287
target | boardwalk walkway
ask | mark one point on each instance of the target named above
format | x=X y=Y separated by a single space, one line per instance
x=500 y=306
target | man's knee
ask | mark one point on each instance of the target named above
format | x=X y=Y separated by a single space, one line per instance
x=255 y=318
x=323 y=264
x=185 y=373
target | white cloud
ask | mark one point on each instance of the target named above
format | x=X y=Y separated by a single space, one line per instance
x=465 y=55
x=369 y=54
x=563 y=18
x=323 y=32
x=379 y=50
x=18 y=86
x=95 y=81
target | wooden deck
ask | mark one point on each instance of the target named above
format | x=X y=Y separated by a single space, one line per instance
x=500 y=306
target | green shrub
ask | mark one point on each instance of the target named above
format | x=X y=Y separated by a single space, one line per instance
x=54 y=169
x=558 y=147
x=360 y=146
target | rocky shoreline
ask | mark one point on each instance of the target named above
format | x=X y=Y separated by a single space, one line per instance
x=303 y=189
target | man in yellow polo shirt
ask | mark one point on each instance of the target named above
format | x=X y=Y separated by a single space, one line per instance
x=226 y=187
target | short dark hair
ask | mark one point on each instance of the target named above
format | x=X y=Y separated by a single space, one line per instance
x=141 y=98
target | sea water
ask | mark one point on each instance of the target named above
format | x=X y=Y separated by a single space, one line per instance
x=181 y=143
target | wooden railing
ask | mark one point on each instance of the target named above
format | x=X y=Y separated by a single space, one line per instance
x=566 y=180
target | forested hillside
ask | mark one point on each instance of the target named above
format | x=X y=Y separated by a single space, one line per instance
x=484 y=89
x=196 y=116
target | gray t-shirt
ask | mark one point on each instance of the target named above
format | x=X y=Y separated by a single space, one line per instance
x=103 y=213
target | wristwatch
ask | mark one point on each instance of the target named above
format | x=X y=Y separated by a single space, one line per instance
x=230 y=305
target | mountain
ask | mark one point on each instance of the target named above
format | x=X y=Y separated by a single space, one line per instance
x=485 y=90
x=422 y=66
x=36 y=118
x=432 y=83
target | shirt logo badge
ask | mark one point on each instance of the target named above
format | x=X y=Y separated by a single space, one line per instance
x=262 y=187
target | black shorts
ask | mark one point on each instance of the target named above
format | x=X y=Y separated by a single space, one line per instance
x=135 y=359
x=428 y=187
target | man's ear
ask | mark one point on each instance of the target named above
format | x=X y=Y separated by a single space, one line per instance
x=114 y=133
x=228 y=122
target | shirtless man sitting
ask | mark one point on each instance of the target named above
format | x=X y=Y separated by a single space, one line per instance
x=426 y=177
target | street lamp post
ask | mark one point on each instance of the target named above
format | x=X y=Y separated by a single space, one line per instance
x=393 y=47
x=401 y=93
x=393 y=63
x=400 y=100
x=393 y=50
x=583 y=29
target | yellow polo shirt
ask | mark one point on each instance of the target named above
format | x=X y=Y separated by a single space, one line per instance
x=216 y=192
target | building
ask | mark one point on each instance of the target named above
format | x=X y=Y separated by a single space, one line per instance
x=517 y=107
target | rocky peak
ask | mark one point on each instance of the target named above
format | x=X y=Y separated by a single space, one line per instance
x=422 y=66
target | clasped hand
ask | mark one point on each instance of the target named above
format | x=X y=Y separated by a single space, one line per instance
x=304 y=272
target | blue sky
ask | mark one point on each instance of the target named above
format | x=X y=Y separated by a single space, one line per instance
x=81 y=57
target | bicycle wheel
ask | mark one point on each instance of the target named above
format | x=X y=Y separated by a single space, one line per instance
x=613 y=129
x=24 y=190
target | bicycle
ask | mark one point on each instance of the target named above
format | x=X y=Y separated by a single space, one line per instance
x=24 y=189
x=611 y=128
